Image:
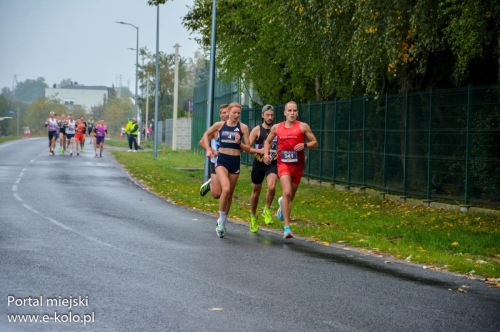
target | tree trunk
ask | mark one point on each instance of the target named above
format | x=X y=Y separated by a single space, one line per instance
x=318 y=83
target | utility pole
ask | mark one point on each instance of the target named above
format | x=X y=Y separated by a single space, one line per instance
x=176 y=98
x=147 y=104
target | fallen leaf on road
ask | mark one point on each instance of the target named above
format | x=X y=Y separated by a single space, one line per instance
x=461 y=290
x=325 y=243
x=216 y=309
x=387 y=262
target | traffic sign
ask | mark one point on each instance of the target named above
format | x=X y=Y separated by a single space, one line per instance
x=10 y=112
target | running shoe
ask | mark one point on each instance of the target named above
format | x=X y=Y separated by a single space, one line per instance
x=77 y=153
x=70 y=154
x=100 y=155
x=96 y=155
x=205 y=188
x=287 y=233
x=268 y=218
x=134 y=151
x=254 y=227
x=280 y=213
x=220 y=229
x=129 y=150
x=83 y=148
x=61 y=150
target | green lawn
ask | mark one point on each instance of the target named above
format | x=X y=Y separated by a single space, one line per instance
x=467 y=243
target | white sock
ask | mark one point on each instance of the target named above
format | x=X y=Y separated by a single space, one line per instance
x=222 y=215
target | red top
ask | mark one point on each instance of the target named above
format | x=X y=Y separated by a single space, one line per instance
x=288 y=138
x=80 y=129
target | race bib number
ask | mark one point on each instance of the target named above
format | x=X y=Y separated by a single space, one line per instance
x=289 y=156
x=228 y=137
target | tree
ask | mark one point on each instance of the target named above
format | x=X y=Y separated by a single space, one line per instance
x=166 y=65
x=66 y=82
x=319 y=50
x=39 y=111
x=30 y=90
x=116 y=113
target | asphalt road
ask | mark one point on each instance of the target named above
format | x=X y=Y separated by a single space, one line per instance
x=80 y=227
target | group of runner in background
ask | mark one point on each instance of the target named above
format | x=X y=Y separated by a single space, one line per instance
x=278 y=153
x=72 y=132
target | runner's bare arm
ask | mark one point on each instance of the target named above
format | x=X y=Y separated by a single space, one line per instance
x=206 y=139
x=245 y=144
x=267 y=144
x=312 y=142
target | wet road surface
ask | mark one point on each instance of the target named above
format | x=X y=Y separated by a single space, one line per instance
x=79 y=229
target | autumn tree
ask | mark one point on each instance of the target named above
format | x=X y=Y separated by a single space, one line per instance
x=39 y=111
x=116 y=112
x=320 y=50
x=29 y=90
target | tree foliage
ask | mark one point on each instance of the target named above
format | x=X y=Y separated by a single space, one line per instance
x=30 y=90
x=319 y=50
x=38 y=112
x=116 y=113
x=166 y=71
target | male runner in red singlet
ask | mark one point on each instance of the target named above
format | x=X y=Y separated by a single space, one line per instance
x=291 y=135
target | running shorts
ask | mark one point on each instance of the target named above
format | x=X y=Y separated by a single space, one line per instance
x=231 y=163
x=261 y=170
x=294 y=171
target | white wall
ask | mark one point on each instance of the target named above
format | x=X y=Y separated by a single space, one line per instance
x=84 y=97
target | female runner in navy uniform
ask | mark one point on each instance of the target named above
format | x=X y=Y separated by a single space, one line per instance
x=227 y=167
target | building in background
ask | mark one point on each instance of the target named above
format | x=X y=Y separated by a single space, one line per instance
x=78 y=94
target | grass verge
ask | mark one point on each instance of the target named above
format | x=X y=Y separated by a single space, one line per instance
x=8 y=138
x=466 y=243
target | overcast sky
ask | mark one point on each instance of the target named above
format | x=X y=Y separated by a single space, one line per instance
x=79 y=39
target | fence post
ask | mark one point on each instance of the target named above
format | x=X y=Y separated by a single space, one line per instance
x=321 y=135
x=309 y=122
x=349 y=144
x=364 y=141
x=384 y=163
x=335 y=141
x=468 y=145
x=405 y=157
x=429 y=150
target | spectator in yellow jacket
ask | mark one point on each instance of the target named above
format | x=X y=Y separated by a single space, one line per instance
x=127 y=129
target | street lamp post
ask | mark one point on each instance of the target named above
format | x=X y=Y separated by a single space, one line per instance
x=136 y=66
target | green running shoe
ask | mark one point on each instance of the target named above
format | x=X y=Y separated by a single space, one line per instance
x=220 y=229
x=268 y=218
x=254 y=227
x=205 y=187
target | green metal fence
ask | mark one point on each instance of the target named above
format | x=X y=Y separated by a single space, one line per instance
x=435 y=145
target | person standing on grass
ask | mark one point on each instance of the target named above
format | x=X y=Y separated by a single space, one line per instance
x=127 y=130
x=134 y=131
x=261 y=170
x=291 y=135
x=227 y=167
x=213 y=184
